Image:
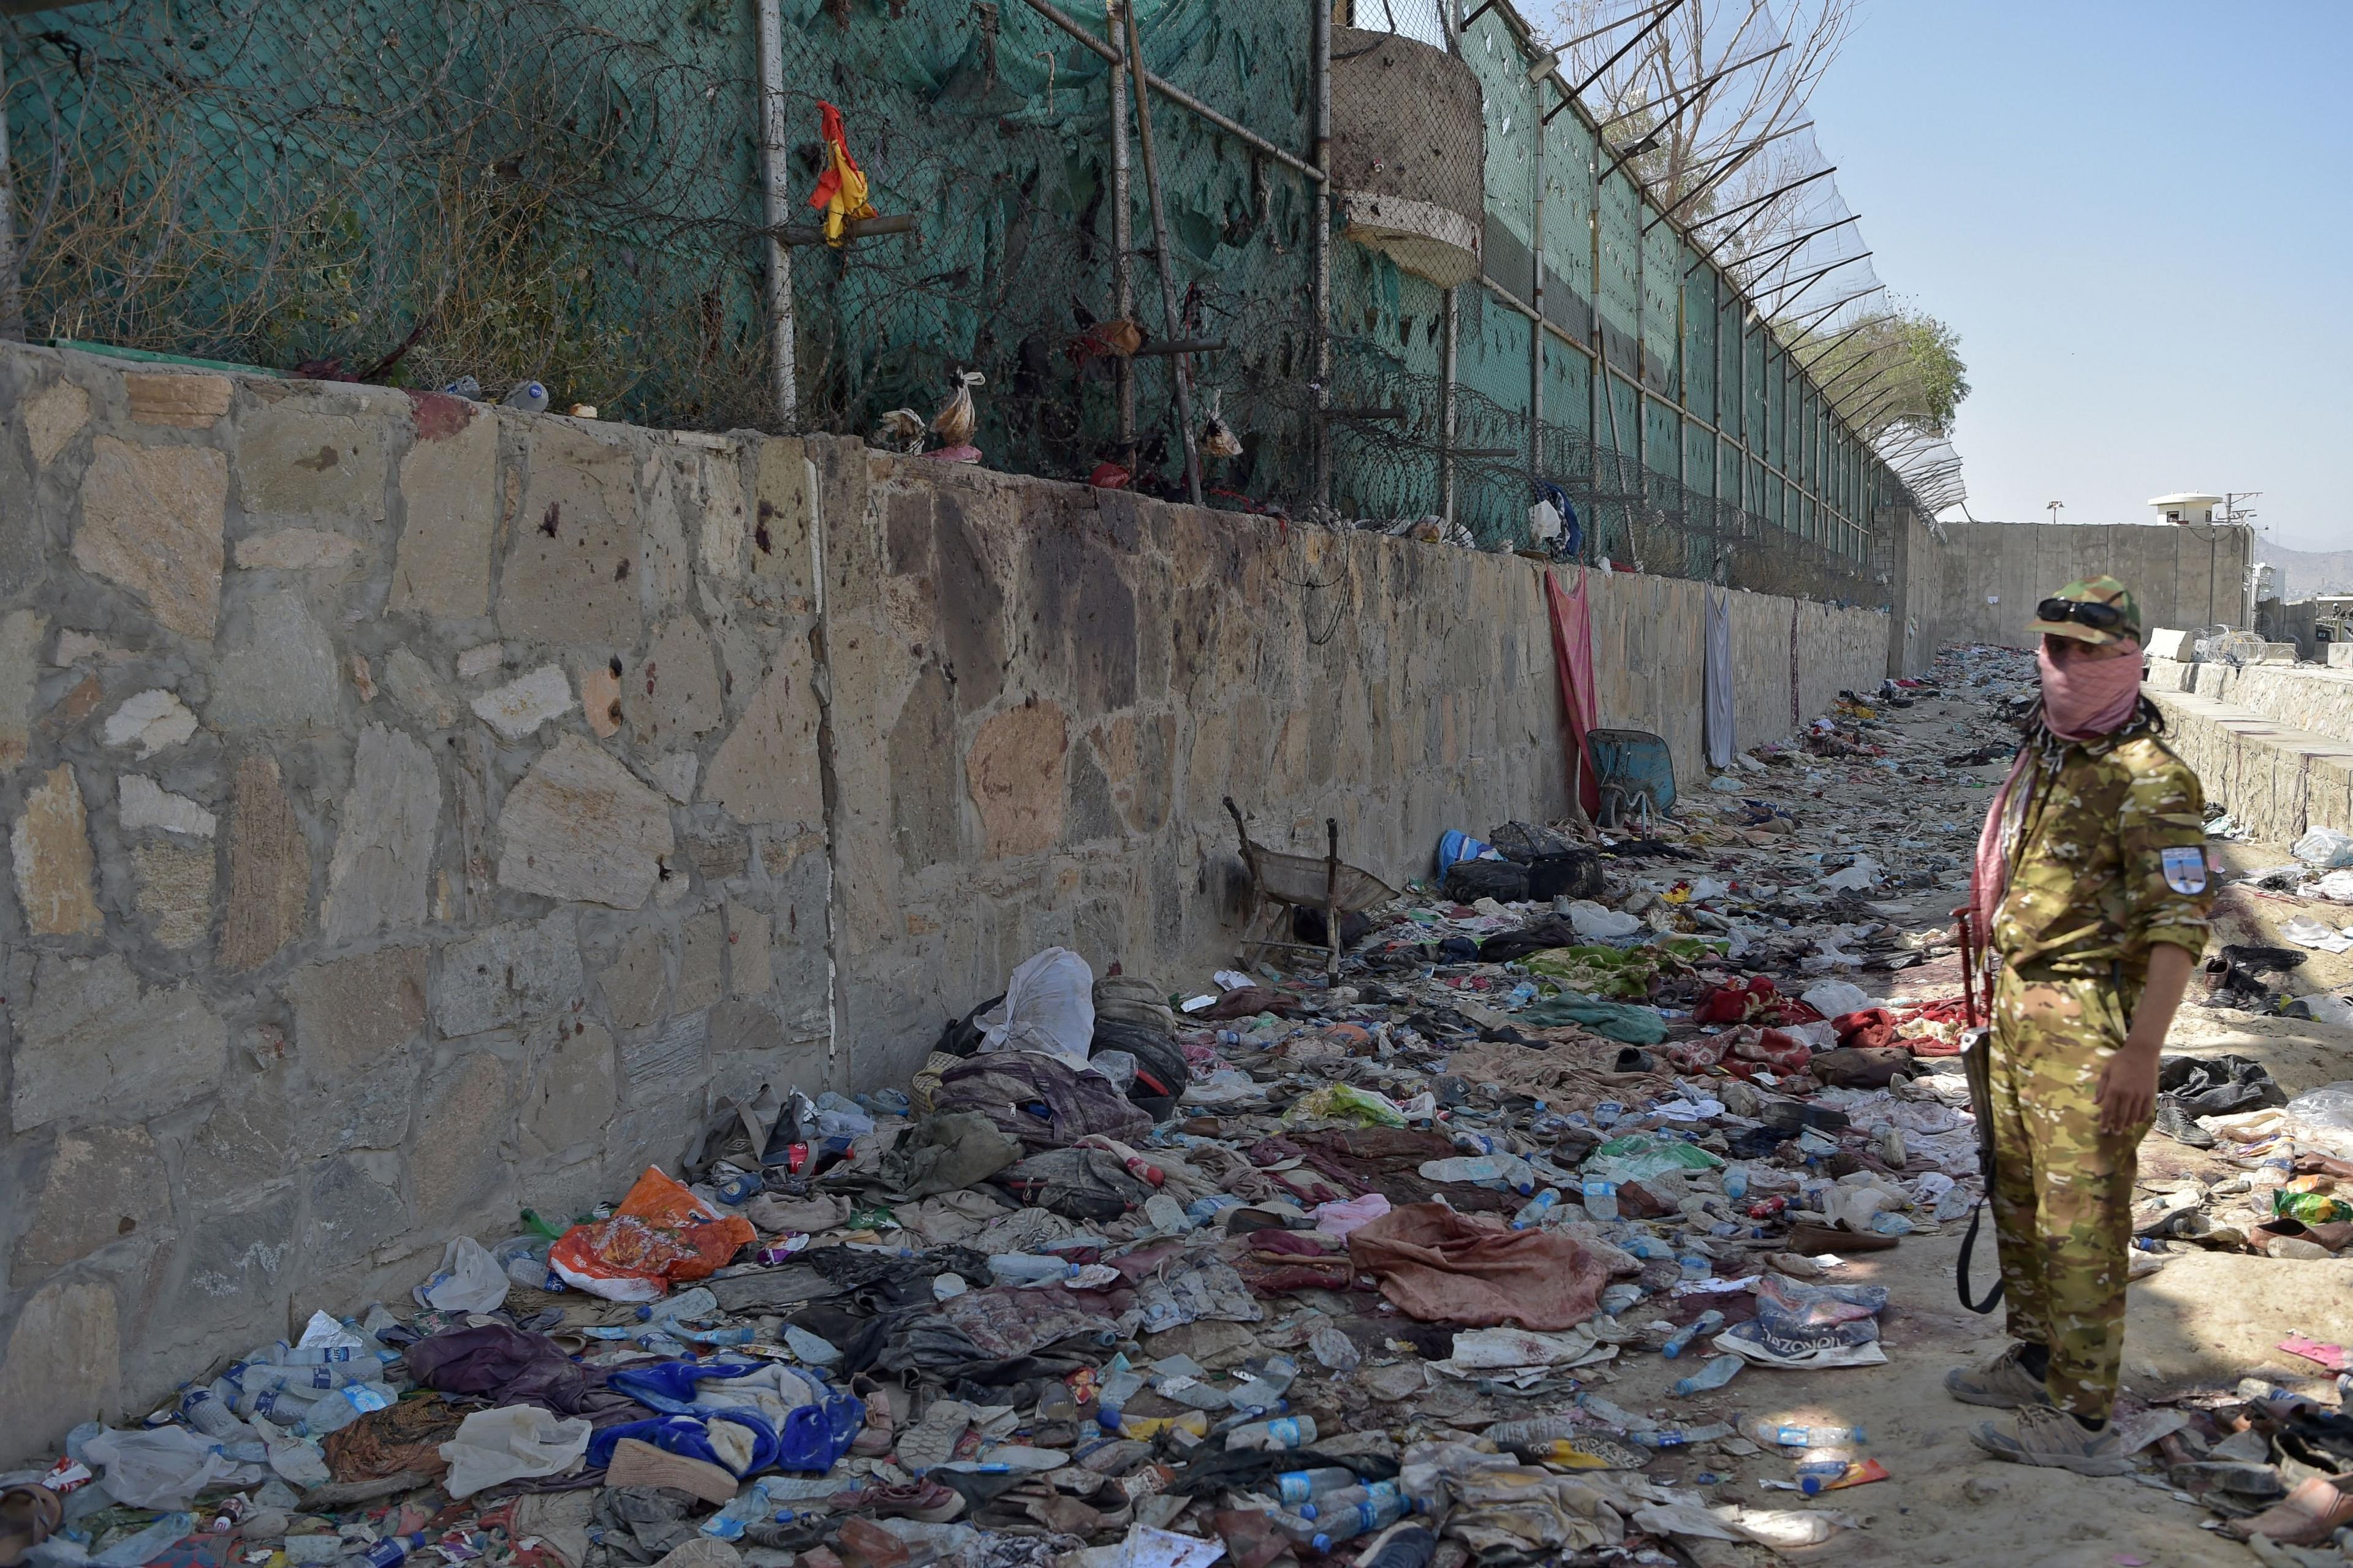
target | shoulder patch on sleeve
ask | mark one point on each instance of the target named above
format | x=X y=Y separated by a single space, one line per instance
x=2185 y=869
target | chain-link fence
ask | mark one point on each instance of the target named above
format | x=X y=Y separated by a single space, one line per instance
x=575 y=192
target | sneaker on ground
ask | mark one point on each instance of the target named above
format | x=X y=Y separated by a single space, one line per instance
x=2042 y=1436
x=2002 y=1382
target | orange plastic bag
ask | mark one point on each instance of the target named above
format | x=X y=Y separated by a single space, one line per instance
x=660 y=1235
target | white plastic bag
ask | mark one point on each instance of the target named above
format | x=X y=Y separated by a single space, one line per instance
x=509 y=1444
x=2337 y=887
x=1835 y=998
x=2329 y=848
x=1049 y=1006
x=1590 y=919
x=2305 y=931
x=2327 y=1111
x=468 y=1281
x=1858 y=877
x=161 y=1467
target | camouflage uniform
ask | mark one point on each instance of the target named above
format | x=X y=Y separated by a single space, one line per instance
x=2107 y=858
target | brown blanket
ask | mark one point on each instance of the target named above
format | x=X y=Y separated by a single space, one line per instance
x=1440 y=1267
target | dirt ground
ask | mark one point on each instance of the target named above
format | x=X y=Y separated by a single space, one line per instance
x=2205 y=1321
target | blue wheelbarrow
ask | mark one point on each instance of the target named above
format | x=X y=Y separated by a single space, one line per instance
x=1636 y=775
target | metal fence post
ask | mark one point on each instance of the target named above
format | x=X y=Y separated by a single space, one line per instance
x=779 y=209
x=1123 y=237
x=1319 y=70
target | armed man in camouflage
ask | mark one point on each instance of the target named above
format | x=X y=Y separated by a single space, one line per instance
x=2092 y=878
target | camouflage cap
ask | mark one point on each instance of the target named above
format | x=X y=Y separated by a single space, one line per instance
x=2101 y=591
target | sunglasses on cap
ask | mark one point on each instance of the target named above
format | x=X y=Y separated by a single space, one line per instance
x=2082 y=612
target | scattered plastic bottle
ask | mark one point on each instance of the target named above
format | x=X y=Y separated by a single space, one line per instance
x=1411 y=1548
x=274 y=1403
x=1378 y=1511
x=1707 y=1323
x=1736 y=1182
x=1694 y=1266
x=1332 y=1504
x=750 y=1507
x=298 y=1461
x=393 y=1550
x=1536 y=1209
x=1029 y=1268
x=1600 y=1198
x=1714 y=1373
x=1815 y=1476
x=1793 y=1435
x=528 y=396
x=1283 y=1431
x=208 y=1413
x=343 y=1407
x=1295 y=1486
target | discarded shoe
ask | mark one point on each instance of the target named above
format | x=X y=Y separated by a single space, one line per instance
x=2040 y=1435
x=926 y=1500
x=2002 y=1382
x=2178 y=1124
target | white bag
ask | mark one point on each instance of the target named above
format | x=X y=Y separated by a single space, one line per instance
x=160 y=1468
x=509 y=1444
x=1836 y=998
x=1589 y=919
x=468 y=1281
x=2329 y=848
x=1049 y=1006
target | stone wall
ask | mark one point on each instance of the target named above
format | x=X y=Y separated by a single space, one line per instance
x=419 y=811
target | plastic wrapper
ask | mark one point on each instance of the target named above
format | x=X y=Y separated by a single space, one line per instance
x=511 y=1443
x=661 y=1235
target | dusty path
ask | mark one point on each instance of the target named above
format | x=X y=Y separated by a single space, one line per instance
x=2204 y=1322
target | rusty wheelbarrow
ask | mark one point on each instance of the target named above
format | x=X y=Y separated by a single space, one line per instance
x=1280 y=880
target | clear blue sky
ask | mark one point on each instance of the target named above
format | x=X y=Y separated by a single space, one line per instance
x=2140 y=218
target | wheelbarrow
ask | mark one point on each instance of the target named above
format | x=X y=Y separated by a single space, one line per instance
x=1280 y=880
x=1636 y=775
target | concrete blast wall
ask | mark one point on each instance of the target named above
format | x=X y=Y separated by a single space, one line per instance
x=420 y=810
x=1980 y=585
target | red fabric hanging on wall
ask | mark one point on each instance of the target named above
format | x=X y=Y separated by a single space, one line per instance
x=1572 y=650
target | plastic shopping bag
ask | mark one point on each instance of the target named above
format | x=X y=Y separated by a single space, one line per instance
x=661 y=1235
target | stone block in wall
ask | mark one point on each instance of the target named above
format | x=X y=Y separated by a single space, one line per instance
x=175 y=890
x=449 y=494
x=526 y=702
x=509 y=976
x=766 y=770
x=424 y=695
x=634 y=980
x=244 y=1143
x=571 y=551
x=299 y=462
x=354 y=1208
x=236 y=1270
x=274 y=668
x=1017 y=771
x=747 y=950
x=53 y=417
x=457 y=1166
x=921 y=759
x=268 y=867
x=20 y=668
x=725 y=521
x=182 y=401
x=352 y=1013
x=147 y=721
x=784 y=513
x=581 y=827
x=702 y=960
x=151 y=522
x=297 y=550
x=63 y=1366
x=55 y=866
x=574 y=1087
x=104 y=1185
x=669 y=1060
x=140 y=802
x=91 y=1040
x=383 y=842
x=673 y=695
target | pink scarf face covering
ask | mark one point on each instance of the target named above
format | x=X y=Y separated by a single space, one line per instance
x=2083 y=699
